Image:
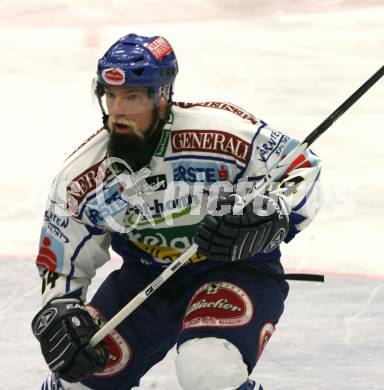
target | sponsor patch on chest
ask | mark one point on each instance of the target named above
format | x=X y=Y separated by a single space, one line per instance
x=160 y=181
x=210 y=141
x=207 y=172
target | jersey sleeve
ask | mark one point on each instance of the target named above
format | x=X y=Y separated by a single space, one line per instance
x=70 y=248
x=267 y=149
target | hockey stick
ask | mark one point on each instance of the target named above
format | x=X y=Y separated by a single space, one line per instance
x=275 y=173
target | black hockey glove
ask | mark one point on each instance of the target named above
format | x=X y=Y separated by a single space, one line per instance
x=262 y=226
x=64 y=329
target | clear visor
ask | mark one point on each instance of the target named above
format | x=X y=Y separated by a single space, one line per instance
x=95 y=101
x=121 y=100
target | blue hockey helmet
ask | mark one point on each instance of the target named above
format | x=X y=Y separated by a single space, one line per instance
x=139 y=61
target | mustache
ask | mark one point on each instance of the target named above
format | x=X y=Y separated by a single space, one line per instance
x=116 y=120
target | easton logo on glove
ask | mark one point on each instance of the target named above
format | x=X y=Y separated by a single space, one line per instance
x=276 y=240
x=44 y=320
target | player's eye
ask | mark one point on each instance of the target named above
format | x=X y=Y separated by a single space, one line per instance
x=133 y=98
x=109 y=94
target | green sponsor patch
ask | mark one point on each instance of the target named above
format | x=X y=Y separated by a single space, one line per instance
x=180 y=237
x=162 y=147
x=178 y=214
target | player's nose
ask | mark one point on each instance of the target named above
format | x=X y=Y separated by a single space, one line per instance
x=117 y=107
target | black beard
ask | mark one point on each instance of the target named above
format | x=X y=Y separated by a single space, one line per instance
x=135 y=151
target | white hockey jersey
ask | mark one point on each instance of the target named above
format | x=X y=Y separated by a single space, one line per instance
x=202 y=144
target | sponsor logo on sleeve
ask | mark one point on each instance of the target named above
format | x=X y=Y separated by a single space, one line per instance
x=210 y=141
x=56 y=225
x=85 y=183
x=218 y=304
x=274 y=145
x=51 y=252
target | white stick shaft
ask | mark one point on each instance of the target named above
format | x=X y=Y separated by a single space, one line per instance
x=142 y=296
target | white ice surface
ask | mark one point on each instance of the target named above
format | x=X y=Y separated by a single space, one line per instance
x=290 y=63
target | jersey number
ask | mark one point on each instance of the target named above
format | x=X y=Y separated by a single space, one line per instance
x=49 y=278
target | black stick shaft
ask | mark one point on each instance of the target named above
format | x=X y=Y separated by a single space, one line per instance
x=344 y=107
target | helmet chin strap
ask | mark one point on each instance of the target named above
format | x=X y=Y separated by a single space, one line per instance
x=105 y=115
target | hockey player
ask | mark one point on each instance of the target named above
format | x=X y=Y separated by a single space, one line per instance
x=222 y=307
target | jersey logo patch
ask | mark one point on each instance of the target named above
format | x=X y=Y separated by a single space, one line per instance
x=166 y=255
x=56 y=225
x=210 y=141
x=274 y=146
x=85 y=183
x=51 y=252
x=192 y=172
x=160 y=181
x=265 y=334
x=218 y=304
x=159 y=48
x=120 y=352
x=113 y=76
